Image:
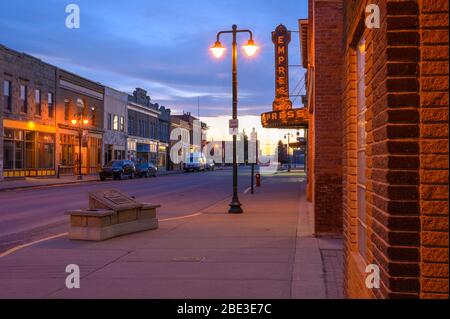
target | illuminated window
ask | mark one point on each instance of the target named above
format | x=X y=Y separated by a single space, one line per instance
x=361 y=149
x=115 y=122
x=122 y=124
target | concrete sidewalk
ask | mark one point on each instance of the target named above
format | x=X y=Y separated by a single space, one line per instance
x=268 y=252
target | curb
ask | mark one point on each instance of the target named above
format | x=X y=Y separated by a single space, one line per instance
x=10 y=189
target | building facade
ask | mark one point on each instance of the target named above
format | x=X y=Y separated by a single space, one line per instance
x=116 y=123
x=142 y=144
x=27 y=105
x=164 y=137
x=392 y=146
x=177 y=124
x=79 y=113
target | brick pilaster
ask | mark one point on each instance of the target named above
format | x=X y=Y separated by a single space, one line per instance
x=434 y=104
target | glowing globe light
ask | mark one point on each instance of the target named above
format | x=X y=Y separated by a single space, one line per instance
x=250 y=48
x=218 y=49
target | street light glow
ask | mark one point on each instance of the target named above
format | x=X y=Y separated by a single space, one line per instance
x=250 y=48
x=74 y=122
x=218 y=49
x=85 y=122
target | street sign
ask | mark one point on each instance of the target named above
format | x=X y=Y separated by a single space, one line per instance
x=234 y=124
x=234 y=131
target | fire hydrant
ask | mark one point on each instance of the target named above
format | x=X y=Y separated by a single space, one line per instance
x=258 y=180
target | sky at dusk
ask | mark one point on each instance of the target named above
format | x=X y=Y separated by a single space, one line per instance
x=160 y=46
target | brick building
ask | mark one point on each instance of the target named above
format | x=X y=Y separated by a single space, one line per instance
x=389 y=87
x=77 y=96
x=27 y=104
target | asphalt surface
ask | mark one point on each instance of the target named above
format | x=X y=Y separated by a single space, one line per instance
x=32 y=214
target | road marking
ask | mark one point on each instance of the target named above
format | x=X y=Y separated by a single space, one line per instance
x=247 y=190
x=17 y=248
x=182 y=217
x=14 y=249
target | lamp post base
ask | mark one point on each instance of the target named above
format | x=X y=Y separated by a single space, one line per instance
x=80 y=178
x=235 y=207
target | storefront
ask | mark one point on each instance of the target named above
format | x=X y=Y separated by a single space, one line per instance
x=69 y=152
x=142 y=150
x=28 y=149
x=162 y=156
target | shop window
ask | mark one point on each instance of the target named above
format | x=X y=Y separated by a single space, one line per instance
x=37 y=102
x=67 y=149
x=24 y=98
x=361 y=149
x=7 y=94
x=46 y=150
x=30 y=150
x=13 y=149
x=51 y=105
x=8 y=154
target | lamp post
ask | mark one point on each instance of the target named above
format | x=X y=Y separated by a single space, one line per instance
x=218 y=50
x=288 y=136
x=79 y=121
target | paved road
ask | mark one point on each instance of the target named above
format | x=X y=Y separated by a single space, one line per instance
x=32 y=214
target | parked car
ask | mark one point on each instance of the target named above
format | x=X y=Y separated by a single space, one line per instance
x=118 y=170
x=146 y=170
x=195 y=162
x=210 y=165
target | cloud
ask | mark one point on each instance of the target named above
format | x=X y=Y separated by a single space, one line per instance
x=158 y=46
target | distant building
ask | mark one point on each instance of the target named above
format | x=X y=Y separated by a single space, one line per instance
x=143 y=120
x=164 y=137
x=188 y=118
x=116 y=123
x=27 y=107
x=177 y=122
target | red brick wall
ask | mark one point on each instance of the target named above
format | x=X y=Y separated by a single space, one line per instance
x=434 y=148
x=327 y=109
x=407 y=153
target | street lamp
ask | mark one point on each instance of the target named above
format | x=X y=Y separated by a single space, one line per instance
x=218 y=50
x=79 y=121
x=288 y=137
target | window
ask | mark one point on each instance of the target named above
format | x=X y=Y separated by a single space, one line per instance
x=122 y=124
x=109 y=120
x=115 y=122
x=13 y=149
x=46 y=150
x=66 y=109
x=51 y=106
x=37 y=102
x=30 y=151
x=7 y=95
x=361 y=148
x=24 y=98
